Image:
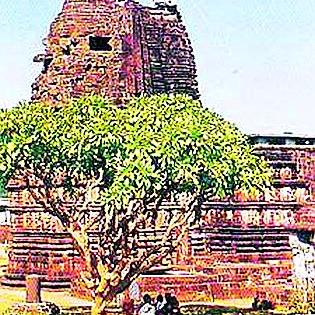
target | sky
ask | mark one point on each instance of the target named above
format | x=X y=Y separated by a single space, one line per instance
x=255 y=58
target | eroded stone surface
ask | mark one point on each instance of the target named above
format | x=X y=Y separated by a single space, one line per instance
x=116 y=49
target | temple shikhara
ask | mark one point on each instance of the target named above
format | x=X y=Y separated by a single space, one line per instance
x=116 y=49
x=246 y=247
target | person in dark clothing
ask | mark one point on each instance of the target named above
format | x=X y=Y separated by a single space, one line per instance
x=175 y=305
x=265 y=305
x=160 y=302
x=167 y=308
x=255 y=304
x=147 y=308
x=171 y=306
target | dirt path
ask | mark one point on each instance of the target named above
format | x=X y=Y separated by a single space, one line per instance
x=9 y=296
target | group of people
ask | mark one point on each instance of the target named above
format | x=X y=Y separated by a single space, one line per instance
x=263 y=305
x=167 y=305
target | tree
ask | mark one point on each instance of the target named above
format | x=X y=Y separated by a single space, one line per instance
x=125 y=162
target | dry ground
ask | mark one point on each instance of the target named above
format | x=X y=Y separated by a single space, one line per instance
x=9 y=296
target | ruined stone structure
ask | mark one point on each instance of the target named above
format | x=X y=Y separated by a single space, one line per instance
x=255 y=247
x=116 y=49
x=240 y=248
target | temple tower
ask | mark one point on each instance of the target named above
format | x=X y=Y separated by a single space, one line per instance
x=116 y=49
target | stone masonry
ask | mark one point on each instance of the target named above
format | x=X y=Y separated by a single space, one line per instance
x=116 y=49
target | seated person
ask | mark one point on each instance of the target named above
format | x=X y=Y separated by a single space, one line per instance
x=147 y=308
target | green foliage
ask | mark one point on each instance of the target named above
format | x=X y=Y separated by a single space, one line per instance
x=3 y=191
x=153 y=146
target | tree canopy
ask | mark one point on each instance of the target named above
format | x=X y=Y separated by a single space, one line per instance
x=153 y=149
x=153 y=145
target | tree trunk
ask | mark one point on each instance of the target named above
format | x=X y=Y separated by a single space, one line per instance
x=100 y=304
x=97 y=307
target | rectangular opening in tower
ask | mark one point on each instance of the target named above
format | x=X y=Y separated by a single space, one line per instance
x=99 y=43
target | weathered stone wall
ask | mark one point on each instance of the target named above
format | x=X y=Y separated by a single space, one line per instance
x=144 y=50
x=169 y=64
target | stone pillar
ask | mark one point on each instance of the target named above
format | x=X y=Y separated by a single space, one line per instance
x=33 y=294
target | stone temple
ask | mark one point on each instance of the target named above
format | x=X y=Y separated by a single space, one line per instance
x=116 y=49
x=242 y=248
